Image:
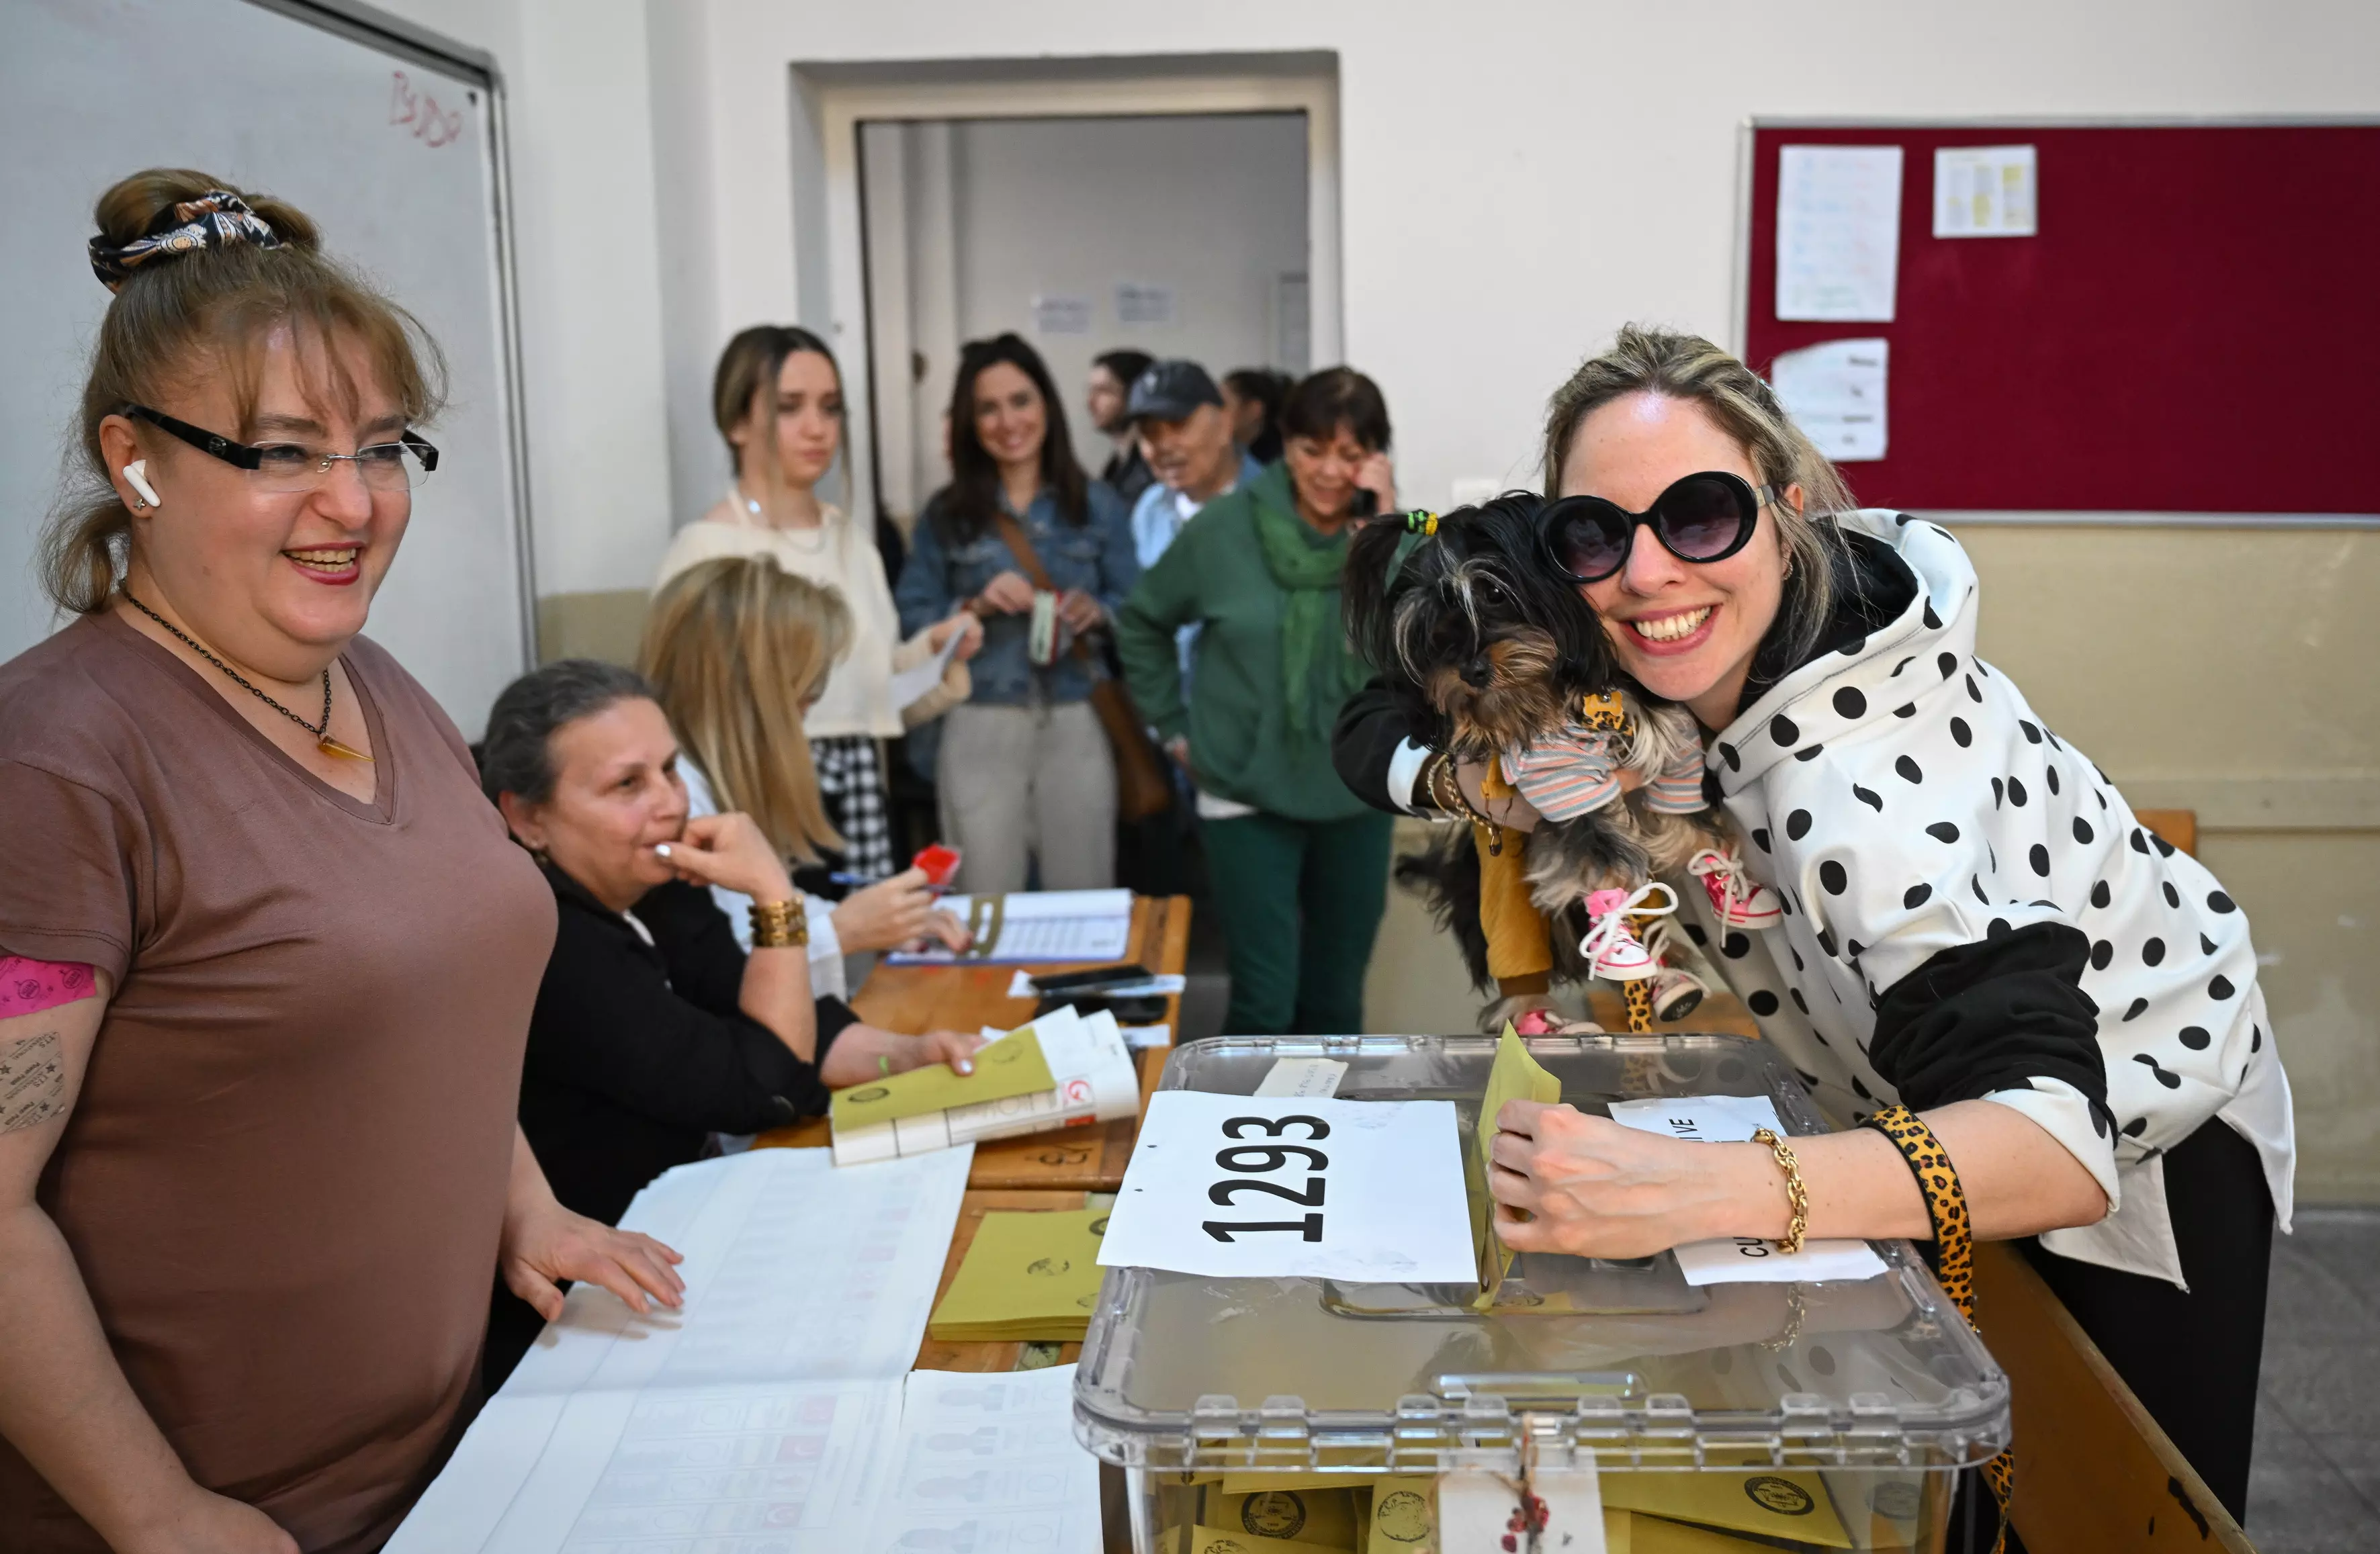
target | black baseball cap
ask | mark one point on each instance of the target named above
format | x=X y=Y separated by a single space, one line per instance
x=1171 y=390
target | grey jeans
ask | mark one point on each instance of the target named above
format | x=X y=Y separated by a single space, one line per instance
x=1028 y=781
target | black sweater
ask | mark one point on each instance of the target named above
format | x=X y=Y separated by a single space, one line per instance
x=637 y=1052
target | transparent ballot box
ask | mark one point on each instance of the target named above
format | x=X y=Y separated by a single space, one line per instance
x=1294 y=1415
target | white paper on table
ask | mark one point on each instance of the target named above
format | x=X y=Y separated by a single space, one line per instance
x=908 y=685
x=1838 y=232
x=1035 y=926
x=1742 y=1259
x=1140 y=1039
x=988 y=1461
x=1986 y=192
x=1370 y=1192
x=1836 y=392
x=1096 y=1082
x=764 y=1406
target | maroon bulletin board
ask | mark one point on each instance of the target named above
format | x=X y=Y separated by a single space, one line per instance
x=2196 y=329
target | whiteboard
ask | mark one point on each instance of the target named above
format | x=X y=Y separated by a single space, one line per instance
x=394 y=152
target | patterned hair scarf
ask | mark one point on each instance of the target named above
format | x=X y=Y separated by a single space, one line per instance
x=214 y=220
x=1318 y=671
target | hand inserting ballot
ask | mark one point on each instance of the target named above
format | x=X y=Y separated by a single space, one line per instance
x=1592 y=1188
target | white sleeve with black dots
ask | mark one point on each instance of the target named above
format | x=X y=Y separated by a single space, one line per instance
x=1904 y=799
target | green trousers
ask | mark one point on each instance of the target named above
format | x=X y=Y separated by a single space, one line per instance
x=1300 y=903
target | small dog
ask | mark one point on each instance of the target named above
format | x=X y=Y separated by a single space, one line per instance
x=1499 y=654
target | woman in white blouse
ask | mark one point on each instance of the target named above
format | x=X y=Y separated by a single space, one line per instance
x=738 y=650
x=777 y=399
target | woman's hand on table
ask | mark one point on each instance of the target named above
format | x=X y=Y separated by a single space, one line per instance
x=863 y=1052
x=545 y=1243
x=896 y=913
x=206 y=1523
x=729 y=850
x=1593 y=1188
x=966 y=622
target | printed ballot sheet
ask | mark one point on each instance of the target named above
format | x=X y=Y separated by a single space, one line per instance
x=752 y=1420
x=1296 y=1186
x=1742 y=1259
x=1035 y=925
x=1838 y=232
x=986 y=1461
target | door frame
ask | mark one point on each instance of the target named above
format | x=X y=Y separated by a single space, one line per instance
x=1135 y=89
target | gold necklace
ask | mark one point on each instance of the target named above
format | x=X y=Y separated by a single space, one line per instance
x=323 y=740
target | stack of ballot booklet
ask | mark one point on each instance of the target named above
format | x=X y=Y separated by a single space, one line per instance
x=1029 y=1277
x=1063 y=1069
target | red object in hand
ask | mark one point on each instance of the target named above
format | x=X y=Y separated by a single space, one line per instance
x=1536 y=1022
x=938 y=862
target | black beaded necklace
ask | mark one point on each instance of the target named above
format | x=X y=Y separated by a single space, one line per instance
x=322 y=732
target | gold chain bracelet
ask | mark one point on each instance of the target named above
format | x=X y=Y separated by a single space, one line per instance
x=1795 y=1192
x=1445 y=788
x=780 y=925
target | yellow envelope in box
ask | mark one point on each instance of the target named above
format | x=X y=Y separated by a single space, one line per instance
x=1027 y=1277
x=1321 y=1518
x=1773 y=1504
x=1629 y=1532
x=1515 y=1076
x=1011 y=1066
x=1232 y=1540
x=1403 y=1517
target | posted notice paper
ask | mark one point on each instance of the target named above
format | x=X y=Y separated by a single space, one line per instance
x=1836 y=393
x=1307 y=1187
x=1742 y=1259
x=1838 y=232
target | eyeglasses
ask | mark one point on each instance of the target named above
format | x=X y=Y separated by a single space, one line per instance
x=1702 y=517
x=293 y=466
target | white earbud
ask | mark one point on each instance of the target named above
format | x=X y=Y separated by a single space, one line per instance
x=136 y=475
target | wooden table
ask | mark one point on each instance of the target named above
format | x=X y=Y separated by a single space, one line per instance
x=920 y=998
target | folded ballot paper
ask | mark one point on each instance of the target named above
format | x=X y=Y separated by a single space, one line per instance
x=1026 y=1277
x=1063 y=1069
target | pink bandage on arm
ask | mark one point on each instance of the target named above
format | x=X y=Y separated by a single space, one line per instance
x=28 y=987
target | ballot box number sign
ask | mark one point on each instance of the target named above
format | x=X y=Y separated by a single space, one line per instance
x=1260 y=1186
x=1265 y=1159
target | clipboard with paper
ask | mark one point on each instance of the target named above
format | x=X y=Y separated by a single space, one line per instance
x=1034 y=926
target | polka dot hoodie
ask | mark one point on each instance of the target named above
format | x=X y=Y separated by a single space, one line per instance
x=1906 y=802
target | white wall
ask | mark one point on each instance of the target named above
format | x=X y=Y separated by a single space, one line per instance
x=578 y=84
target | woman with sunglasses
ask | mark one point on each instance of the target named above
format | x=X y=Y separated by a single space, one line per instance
x=267 y=958
x=1979 y=942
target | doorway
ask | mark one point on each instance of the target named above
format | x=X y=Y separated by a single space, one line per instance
x=1178 y=234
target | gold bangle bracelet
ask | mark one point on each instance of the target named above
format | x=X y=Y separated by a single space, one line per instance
x=1796 y=1193
x=778 y=924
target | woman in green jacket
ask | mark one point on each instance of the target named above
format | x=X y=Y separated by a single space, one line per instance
x=1300 y=865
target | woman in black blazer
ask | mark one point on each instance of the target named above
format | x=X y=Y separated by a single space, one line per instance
x=653 y=1029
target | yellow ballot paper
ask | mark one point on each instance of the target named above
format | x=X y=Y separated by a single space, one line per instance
x=1011 y=1066
x=1516 y=1076
x=1763 y=1500
x=1235 y=1540
x=1029 y=1277
x=1321 y=1518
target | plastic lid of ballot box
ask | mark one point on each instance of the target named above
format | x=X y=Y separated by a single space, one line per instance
x=1845 y=1406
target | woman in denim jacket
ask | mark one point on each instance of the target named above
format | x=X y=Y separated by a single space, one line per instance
x=1025 y=770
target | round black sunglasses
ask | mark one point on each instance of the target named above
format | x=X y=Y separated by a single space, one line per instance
x=1702 y=517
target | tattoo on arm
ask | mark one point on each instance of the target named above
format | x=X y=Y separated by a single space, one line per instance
x=32 y=1081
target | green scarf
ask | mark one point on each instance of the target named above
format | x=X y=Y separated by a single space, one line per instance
x=1318 y=672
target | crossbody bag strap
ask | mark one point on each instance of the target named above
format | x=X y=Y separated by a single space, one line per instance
x=1020 y=545
x=1954 y=1248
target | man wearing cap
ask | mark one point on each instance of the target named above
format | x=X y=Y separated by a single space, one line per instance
x=1186 y=434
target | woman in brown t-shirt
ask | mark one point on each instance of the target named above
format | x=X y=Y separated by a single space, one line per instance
x=257 y=1161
